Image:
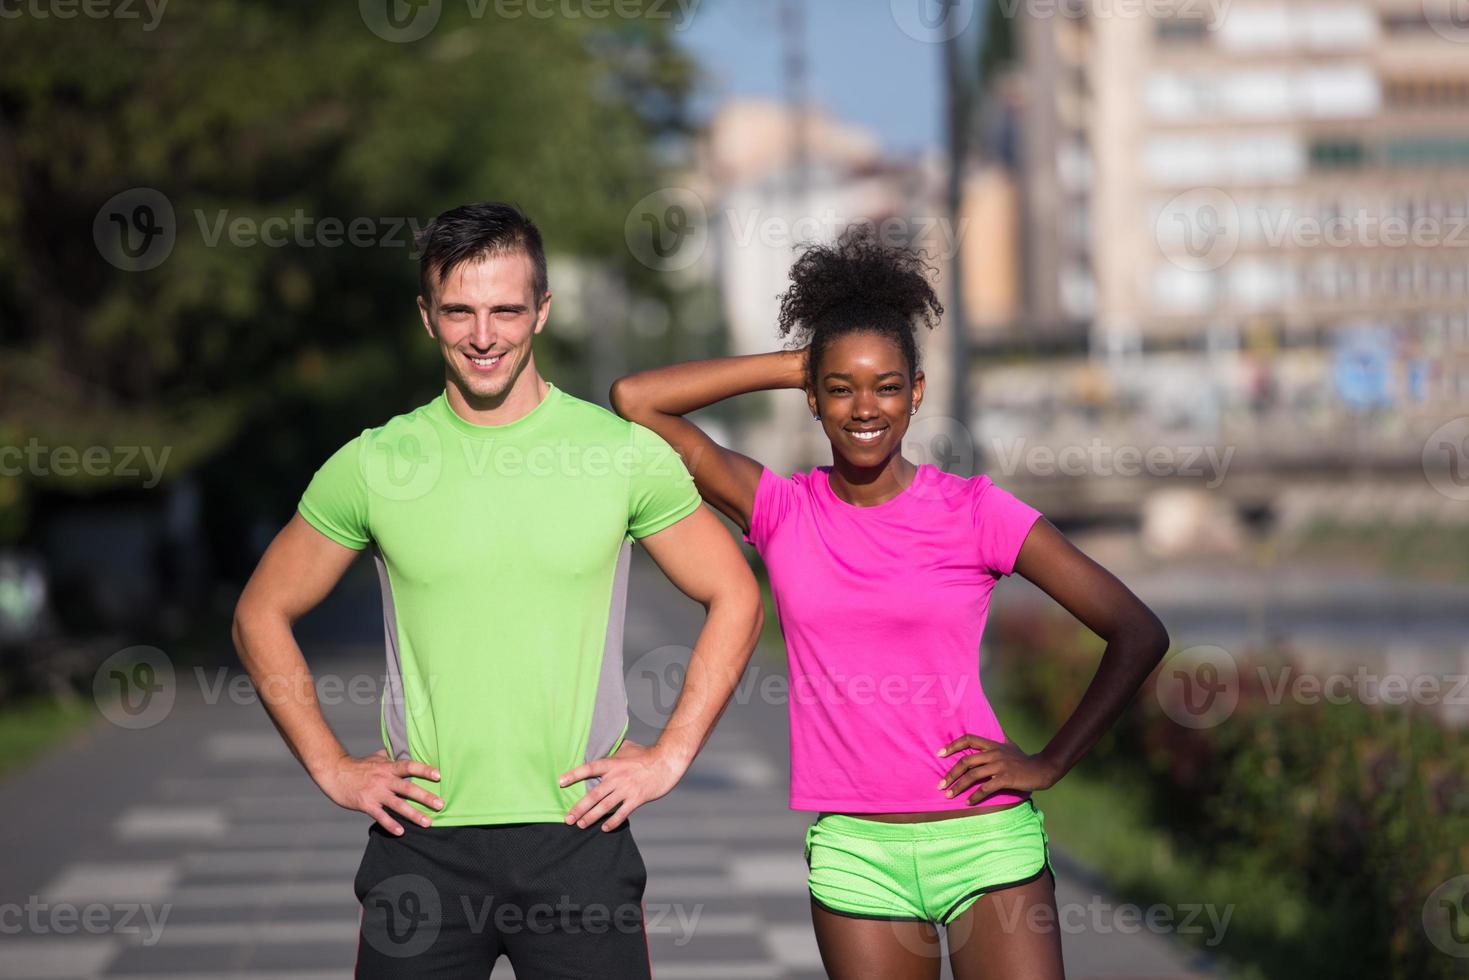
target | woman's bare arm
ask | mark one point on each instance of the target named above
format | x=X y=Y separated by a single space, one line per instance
x=1136 y=639
x=1136 y=642
x=661 y=397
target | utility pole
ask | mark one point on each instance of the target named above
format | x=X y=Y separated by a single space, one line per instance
x=959 y=86
x=793 y=37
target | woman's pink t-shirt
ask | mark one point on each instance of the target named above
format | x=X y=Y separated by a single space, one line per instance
x=882 y=609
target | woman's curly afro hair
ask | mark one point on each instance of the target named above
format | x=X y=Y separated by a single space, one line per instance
x=858 y=285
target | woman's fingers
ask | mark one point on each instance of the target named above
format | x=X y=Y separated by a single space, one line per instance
x=965 y=763
x=968 y=741
x=975 y=775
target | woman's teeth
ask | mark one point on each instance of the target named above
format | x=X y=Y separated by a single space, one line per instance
x=867 y=436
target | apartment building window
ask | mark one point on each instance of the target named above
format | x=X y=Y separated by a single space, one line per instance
x=1260 y=284
x=1078 y=290
x=1182 y=159
x=1427 y=93
x=1284 y=26
x=1265 y=157
x=1266 y=219
x=1183 y=291
x=1073 y=165
x=1429 y=208
x=1078 y=225
x=1257 y=94
x=1337 y=153
x=1427 y=152
x=1340 y=92
x=1182 y=30
x=1170 y=95
x=1338 y=26
x=1405 y=22
x=1257 y=27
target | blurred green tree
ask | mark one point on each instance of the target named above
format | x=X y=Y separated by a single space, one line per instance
x=325 y=128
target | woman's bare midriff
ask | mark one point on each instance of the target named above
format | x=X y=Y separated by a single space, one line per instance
x=925 y=816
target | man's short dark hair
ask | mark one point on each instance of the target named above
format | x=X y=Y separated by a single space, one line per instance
x=471 y=232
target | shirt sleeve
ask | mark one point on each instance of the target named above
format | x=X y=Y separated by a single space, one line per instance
x=335 y=502
x=772 y=503
x=660 y=490
x=1002 y=522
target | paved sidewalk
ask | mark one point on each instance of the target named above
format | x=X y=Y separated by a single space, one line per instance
x=197 y=848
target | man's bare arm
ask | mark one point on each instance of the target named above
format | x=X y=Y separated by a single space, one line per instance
x=298 y=571
x=700 y=557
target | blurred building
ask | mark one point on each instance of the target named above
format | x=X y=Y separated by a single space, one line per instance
x=1254 y=208
x=774 y=179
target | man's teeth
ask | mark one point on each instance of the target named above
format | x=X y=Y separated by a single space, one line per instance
x=485 y=362
x=867 y=436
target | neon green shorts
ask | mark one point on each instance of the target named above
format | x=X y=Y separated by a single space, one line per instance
x=930 y=871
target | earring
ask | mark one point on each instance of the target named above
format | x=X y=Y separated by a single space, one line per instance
x=816 y=418
x=914 y=411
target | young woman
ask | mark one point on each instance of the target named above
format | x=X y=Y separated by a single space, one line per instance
x=881 y=572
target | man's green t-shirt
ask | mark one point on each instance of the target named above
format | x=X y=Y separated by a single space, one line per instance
x=503 y=554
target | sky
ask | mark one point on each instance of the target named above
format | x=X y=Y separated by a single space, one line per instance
x=870 y=62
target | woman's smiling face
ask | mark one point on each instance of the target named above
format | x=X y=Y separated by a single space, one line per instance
x=865 y=396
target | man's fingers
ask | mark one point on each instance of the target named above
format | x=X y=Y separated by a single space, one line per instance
x=412 y=767
x=415 y=792
x=593 y=797
x=599 y=811
x=400 y=805
x=386 y=822
x=598 y=767
x=618 y=818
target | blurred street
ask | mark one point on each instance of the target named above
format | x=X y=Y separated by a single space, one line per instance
x=202 y=850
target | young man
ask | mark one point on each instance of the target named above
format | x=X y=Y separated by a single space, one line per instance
x=500 y=516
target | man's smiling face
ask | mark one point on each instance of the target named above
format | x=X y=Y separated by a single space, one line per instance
x=484 y=315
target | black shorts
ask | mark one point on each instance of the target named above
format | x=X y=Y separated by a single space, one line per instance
x=561 y=902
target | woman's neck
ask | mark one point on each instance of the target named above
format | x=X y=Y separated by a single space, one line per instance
x=870 y=486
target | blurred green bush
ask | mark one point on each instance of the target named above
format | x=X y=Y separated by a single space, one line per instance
x=1362 y=806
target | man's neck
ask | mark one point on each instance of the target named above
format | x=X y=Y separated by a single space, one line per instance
x=524 y=395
